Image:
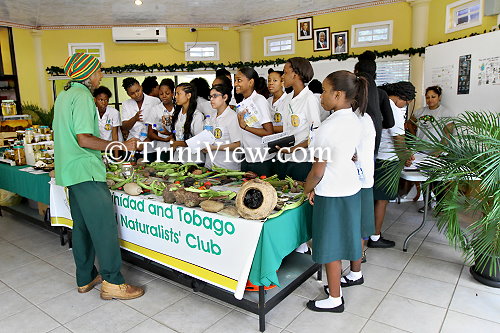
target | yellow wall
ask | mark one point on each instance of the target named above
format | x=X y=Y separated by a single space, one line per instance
x=5 y=48
x=55 y=46
x=26 y=69
x=437 y=18
x=338 y=22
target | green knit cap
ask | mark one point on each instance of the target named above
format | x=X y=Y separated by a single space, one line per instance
x=81 y=66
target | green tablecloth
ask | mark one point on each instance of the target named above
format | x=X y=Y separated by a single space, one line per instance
x=279 y=237
x=34 y=187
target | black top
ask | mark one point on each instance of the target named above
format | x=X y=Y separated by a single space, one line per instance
x=378 y=108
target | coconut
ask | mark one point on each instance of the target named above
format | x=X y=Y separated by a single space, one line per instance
x=132 y=189
x=256 y=199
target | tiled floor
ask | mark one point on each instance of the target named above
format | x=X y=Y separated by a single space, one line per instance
x=427 y=289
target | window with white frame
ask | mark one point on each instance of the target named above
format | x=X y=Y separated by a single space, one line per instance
x=370 y=34
x=463 y=14
x=200 y=51
x=279 y=45
x=392 y=71
x=95 y=49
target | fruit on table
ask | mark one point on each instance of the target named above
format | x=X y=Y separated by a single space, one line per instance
x=132 y=189
x=212 y=206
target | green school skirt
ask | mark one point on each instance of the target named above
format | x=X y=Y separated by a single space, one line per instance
x=367 y=213
x=381 y=192
x=336 y=228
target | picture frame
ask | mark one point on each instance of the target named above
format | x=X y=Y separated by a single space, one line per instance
x=305 y=28
x=321 y=37
x=340 y=42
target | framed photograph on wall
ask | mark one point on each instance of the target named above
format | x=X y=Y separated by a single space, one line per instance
x=304 y=28
x=321 y=38
x=340 y=42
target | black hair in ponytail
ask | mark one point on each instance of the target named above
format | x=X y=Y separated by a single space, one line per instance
x=250 y=74
x=188 y=88
x=355 y=88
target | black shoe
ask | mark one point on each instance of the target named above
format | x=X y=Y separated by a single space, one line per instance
x=349 y=283
x=381 y=243
x=312 y=306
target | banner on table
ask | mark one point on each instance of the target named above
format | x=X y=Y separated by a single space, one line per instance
x=211 y=247
x=60 y=214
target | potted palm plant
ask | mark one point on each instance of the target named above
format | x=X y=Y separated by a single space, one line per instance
x=39 y=115
x=466 y=168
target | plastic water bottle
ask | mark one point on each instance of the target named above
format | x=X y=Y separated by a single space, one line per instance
x=209 y=126
x=144 y=133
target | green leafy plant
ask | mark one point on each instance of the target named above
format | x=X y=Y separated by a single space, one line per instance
x=39 y=116
x=466 y=165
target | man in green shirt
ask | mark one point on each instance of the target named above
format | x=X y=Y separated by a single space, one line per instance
x=78 y=166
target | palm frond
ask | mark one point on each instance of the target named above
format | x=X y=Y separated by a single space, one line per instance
x=39 y=115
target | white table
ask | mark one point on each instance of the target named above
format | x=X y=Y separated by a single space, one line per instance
x=416 y=176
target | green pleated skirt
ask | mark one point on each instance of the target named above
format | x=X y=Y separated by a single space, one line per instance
x=336 y=228
x=382 y=191
x=367 y=213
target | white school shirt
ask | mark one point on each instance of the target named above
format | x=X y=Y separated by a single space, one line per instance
x=300 y=114
x=425 y=117
x=275 y=113
x=180 y=154
x=130 y=108
x=156 y=117
x=250 y=141
x=226 y=130
x=366 y=148
x=339 y=135
x=205 y=107
x=110 y=119
x=386 y=150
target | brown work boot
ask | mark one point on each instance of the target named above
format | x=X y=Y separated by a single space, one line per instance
x=120 y=291
x=88 y=287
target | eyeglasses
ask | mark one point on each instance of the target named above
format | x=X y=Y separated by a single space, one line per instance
x=214 y=96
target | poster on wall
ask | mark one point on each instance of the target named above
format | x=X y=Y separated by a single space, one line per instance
x=489 y=71
x=443 y=76
x=464 y=66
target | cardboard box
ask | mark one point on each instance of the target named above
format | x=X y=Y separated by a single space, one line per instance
x=42 y=208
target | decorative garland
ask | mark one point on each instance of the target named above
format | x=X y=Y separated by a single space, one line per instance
x=191 y=66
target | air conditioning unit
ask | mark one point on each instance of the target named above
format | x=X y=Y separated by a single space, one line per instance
x=139 y=34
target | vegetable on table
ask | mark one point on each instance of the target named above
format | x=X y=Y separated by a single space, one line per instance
x=301 y=198
x=132 y=189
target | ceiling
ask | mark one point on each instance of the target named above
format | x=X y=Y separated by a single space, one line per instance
x=40 y=13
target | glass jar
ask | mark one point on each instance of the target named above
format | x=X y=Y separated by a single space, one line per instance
x=19 y=155
x=20 y=135
x=9 y=107
x=127 y=169
x=37 y=137
x=9 y=154
x=36 y=128
x=44 y=130
x=29 y=136
x=38 y=155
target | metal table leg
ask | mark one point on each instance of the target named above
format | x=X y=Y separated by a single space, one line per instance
x=262 y=310
x=424 y=218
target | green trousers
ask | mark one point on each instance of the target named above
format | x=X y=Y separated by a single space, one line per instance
x=94 y=233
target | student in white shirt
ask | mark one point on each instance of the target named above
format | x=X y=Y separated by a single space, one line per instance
x=225 y=129
x=160 y=119
x=333 y=185
x=150 y=86
x=226 y=81
x=135 y=112
x=392 y=143
x=301 y=115
x=109 y=118
x=317 y=89
x=275 y=86
x=202 y=91
x=254 y=118
x=187 y=121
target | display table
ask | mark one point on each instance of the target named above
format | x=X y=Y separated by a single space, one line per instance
x=271 y=260
x=31 y=186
